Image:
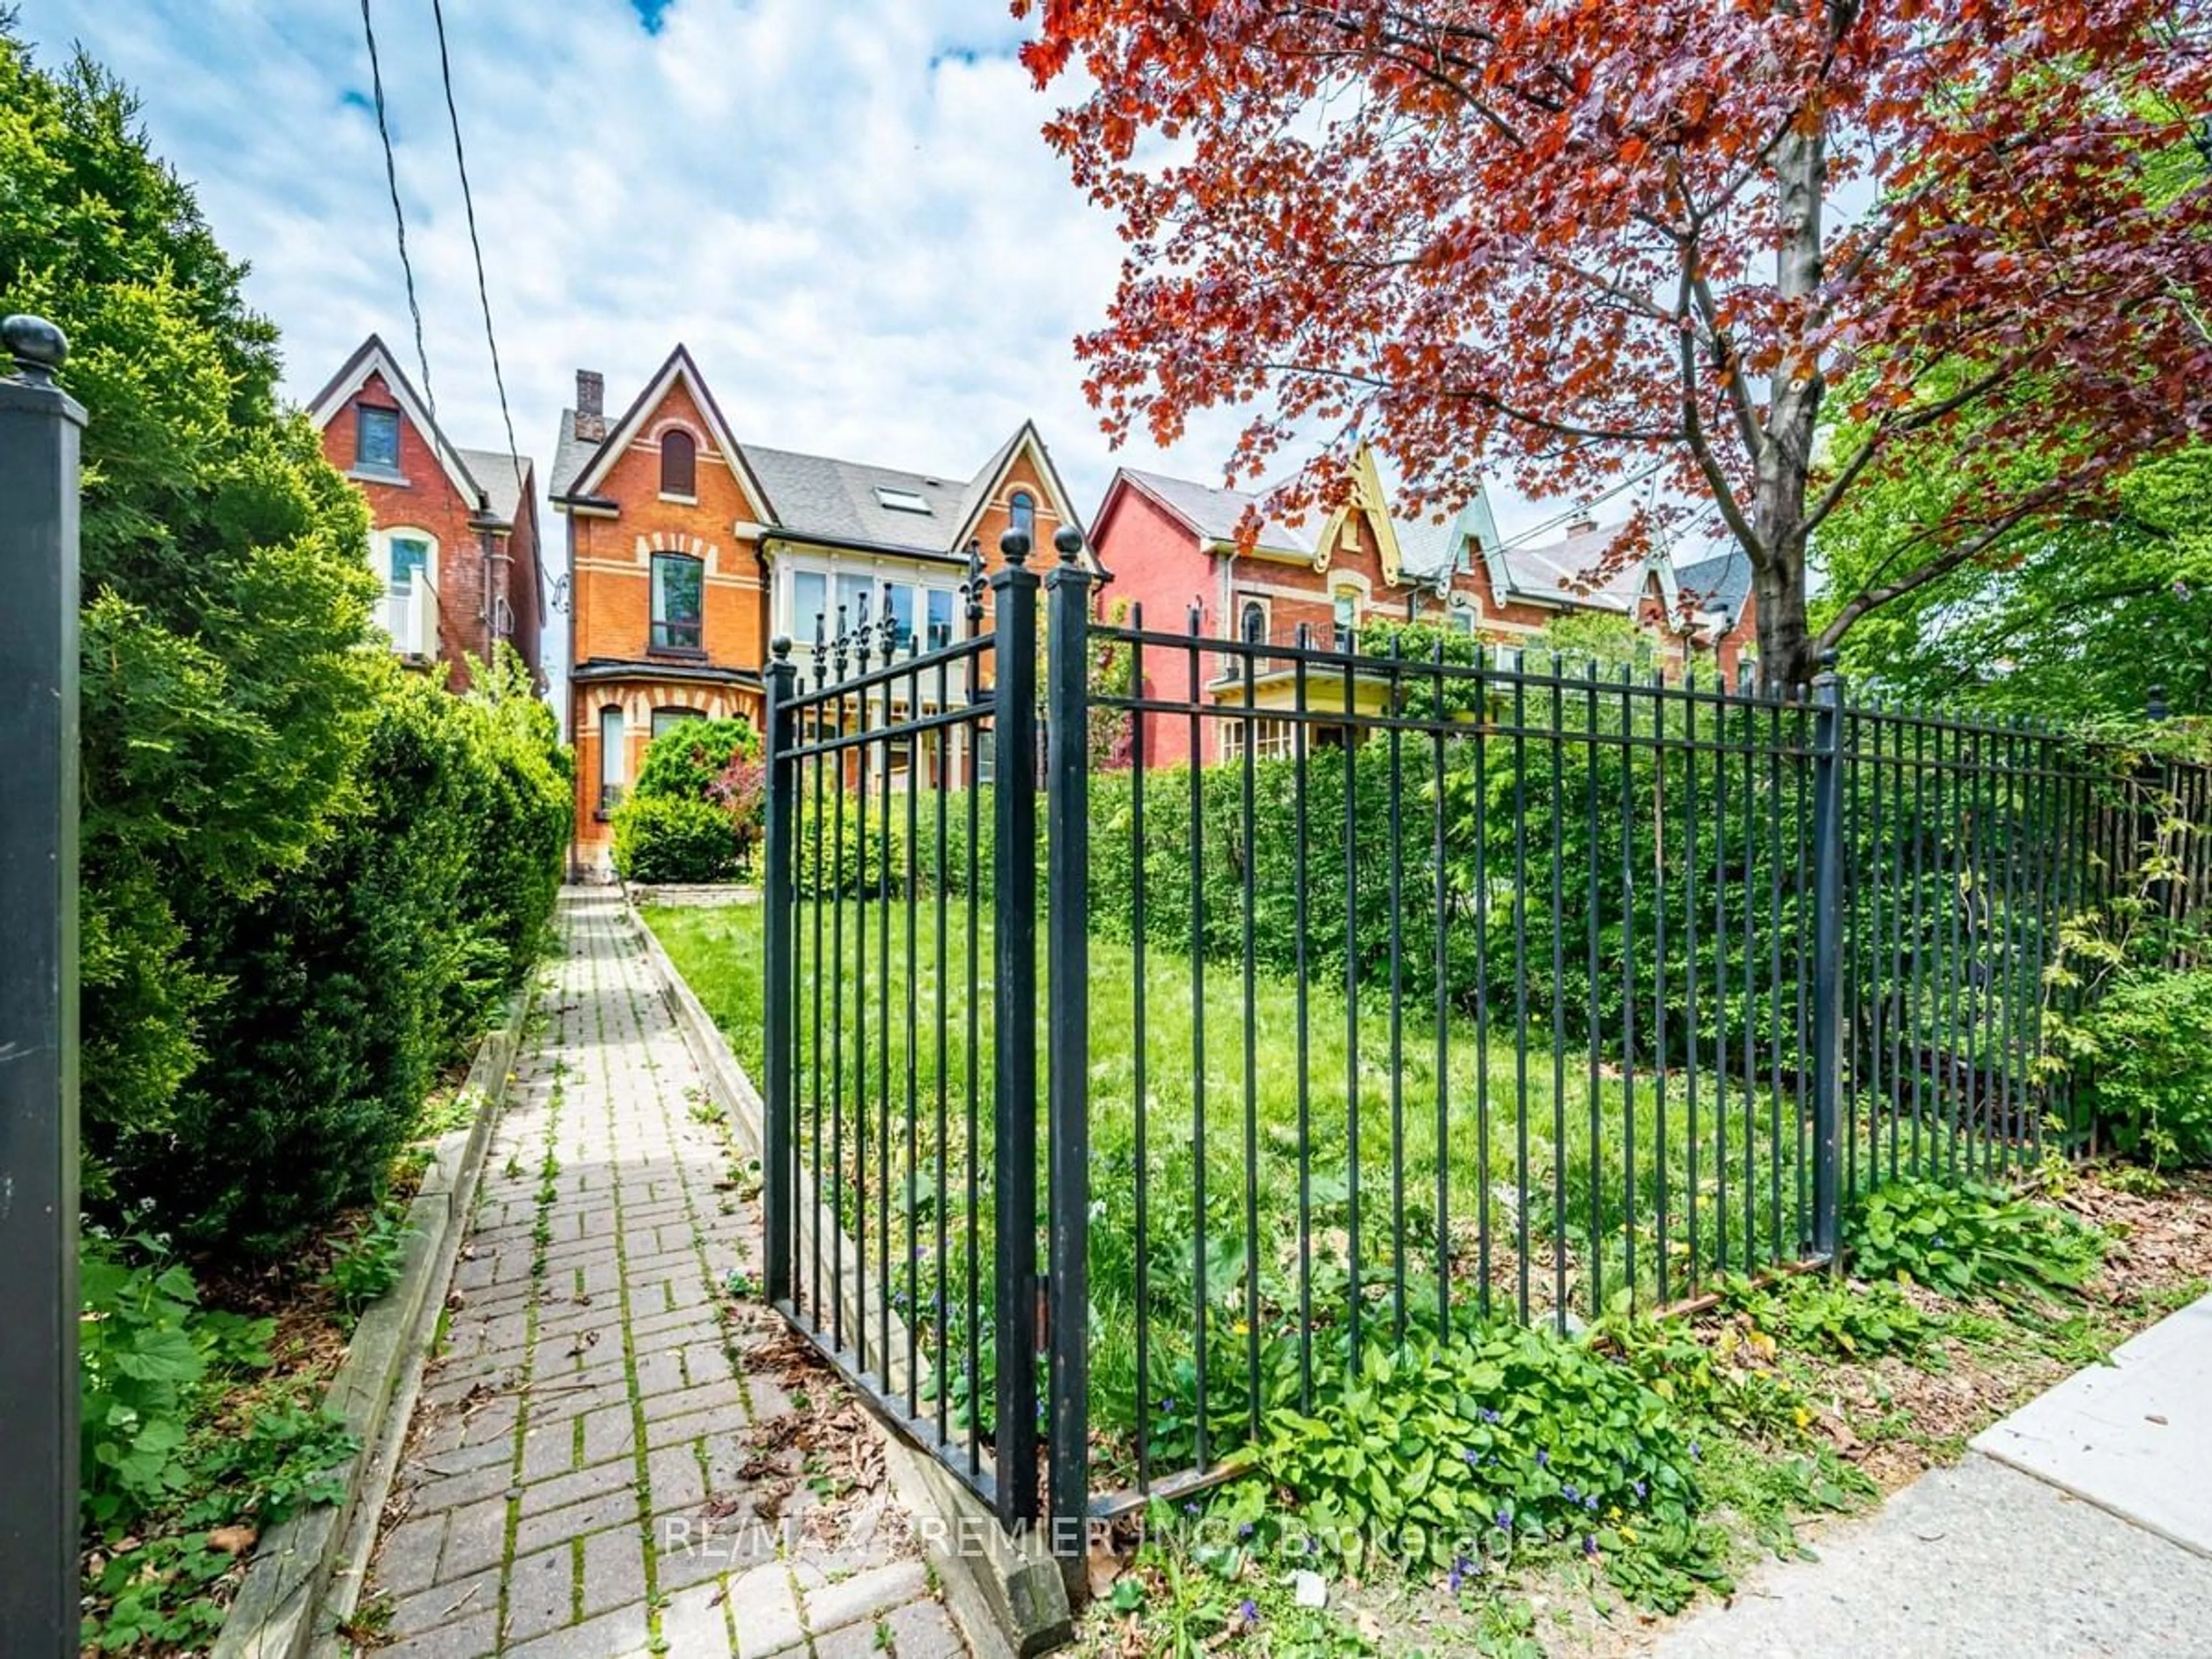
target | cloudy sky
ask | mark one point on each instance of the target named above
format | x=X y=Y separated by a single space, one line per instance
x=844 y=207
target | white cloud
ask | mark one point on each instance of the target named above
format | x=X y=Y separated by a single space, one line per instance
x=844 y=207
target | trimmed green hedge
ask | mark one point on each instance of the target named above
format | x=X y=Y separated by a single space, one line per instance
x=354 y=982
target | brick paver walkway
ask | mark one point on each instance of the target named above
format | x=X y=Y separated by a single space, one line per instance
x=614 y=1454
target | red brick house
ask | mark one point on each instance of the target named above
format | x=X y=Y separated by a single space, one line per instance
x=689 y=550
x=452 y=531
x=1173 y=547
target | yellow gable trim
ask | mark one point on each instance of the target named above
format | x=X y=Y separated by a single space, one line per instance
x=1367 y=498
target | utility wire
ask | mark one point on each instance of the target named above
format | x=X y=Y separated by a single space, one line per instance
x=399 y=216
x=469 y=205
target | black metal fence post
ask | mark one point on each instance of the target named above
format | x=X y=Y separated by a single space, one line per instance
x=1827 y=957
x=1067 y=844
x=39 y=428
x=778 y=1170
x=1013 y=872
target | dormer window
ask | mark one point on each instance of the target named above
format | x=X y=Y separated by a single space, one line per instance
x=679 y=463
x=1021 y=513
x=376 y=439
x=900 y=501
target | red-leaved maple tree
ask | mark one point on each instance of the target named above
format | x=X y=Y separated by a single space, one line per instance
x=1582 y=239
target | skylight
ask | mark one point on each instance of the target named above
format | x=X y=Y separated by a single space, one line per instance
x=901 y=500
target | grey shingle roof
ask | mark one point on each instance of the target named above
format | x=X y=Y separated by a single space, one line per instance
x=496 y=470
x=1721 y=583
x=1557 y=572
x=1216 y=513
x=818 y=495
x=571 y=454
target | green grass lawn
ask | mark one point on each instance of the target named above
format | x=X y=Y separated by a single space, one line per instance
x=1519 y=1187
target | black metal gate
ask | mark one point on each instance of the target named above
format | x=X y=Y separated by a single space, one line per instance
x=910 y=1113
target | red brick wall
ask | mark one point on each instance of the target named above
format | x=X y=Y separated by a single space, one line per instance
x=427 y=500
x=612 y=615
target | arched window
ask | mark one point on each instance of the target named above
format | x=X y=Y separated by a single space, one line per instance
x=1022 y=514
x=614 y=765
x=679 y=462
x=1251 y=622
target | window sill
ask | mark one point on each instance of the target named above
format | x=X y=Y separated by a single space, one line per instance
x=675 y=654
x=377 y=474
x=680 y=500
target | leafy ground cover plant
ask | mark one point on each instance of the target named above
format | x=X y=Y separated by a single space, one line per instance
x=365 y=1265
x=192 y=1448
x=1969 y=1238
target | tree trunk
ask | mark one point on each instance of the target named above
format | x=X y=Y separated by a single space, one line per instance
x=1777 y=515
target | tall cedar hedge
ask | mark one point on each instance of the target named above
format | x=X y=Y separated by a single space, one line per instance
x=304 y=876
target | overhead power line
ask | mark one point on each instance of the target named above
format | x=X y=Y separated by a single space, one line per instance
x=476 y=246
x=398 y=215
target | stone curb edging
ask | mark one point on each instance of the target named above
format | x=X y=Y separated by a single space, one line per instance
x=294 y=1577
x=1007 y=1595
x=704 y=893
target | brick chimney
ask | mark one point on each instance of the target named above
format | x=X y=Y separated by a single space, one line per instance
x=590 y=405
x=1584 y=524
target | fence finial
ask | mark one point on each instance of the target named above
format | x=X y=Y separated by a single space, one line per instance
x=1014 y=547
x=37 y=345
x=1068 y=541
x=779 y=646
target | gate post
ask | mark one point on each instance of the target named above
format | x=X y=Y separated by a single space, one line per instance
x=777 y=1141
x=1013 y=1082
x=1067 y=851
x=40 y=427
x=1827 y=957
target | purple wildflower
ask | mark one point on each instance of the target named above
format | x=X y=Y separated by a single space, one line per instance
x=1489 y=1414
x=1640 y=1491
x=1590 y=1502
x=1249 y=1611
x=1505 y=1521
x=1589 y=1544
x=1568 y=1493
x=1459 y=1569
x=1543 y=1460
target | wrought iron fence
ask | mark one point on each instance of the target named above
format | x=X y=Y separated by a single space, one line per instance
x=1413 y=989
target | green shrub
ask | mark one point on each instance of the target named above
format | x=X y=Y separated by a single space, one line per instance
x=1969 y=1238
x=2149 y=1049
x=355 y=980
x=684 y=761
x=847 y=851
x=667 y=838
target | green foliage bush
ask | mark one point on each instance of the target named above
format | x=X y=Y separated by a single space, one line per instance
x=846 y=851
x=353 y=982
x=671 y=838
x=684 y=761
x=696 y=811
x=304 y=878
x=2147 y=1046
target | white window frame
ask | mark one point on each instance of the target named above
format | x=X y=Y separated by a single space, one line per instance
x=1274 y=738
x=423 y=605
x=614 y=756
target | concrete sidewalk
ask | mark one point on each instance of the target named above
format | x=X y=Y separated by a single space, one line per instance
x=2079 y=1525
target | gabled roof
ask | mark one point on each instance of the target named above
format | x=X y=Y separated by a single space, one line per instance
x=1720 y=582
x=1557 y=572
x=373 y=357
x=835 y=501
x=1213 y=514
x=506 y=478
x=621 y=434
x=1426 y=549
x=976 y=498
